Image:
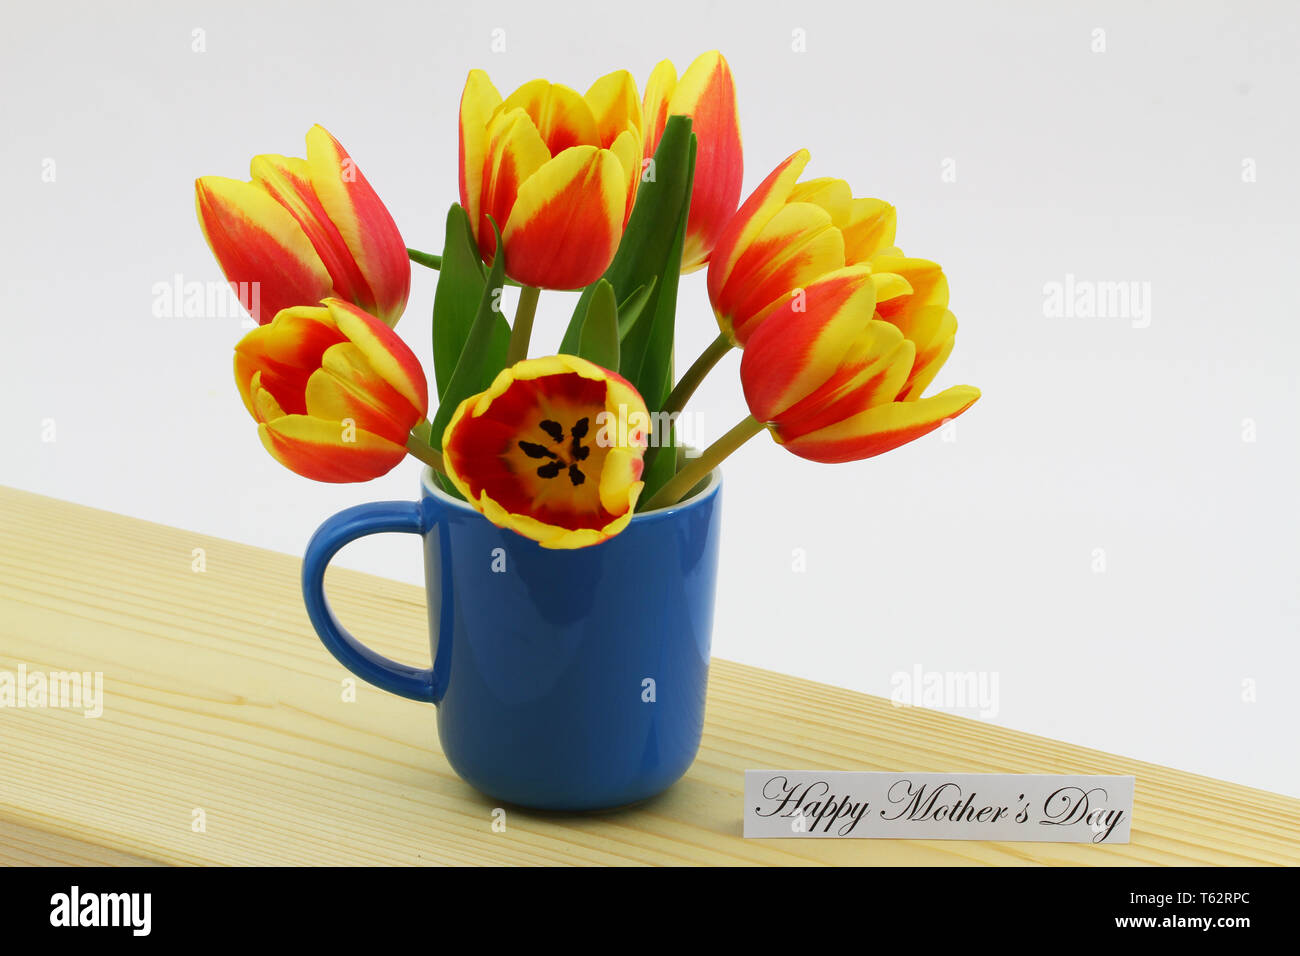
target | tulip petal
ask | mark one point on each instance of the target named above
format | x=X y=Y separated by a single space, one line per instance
x=327 y=450
x=869 y=374
x=514 y=152
x=478 y=102
x=833 y=195
x=929 y=290
x=889 y=285
x=246 y=373
x=567 y=220
x=870 y=229
x=261 y=248
x=615 y=106
x=924 y=372
x=762 y=204
x=283 y=354
x=548 y=535
x=882 y=428
x=795 y=247
x=707 y=93
x=935 y=333
x=345 y=387
x=363 y=221
x=261 y=403
x=620 y=481
x=628 y=150
x=390 y=358
x=620 y=478
x=562 y=117
x=797 y=349
x=658 y=93
x=289 y=182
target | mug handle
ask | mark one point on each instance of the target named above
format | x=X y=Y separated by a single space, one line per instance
x=416 y=683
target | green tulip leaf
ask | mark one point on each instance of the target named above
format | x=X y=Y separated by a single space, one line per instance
x=422 y=430
x=653 y=376
x=430 y=261
x=598 y=341
x=631 y=308
x=461 y=279
x=645 y=255
x=484 y=354
x=650 y=254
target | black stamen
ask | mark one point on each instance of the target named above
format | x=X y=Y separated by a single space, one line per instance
x=534 y=450
x=556 y=465
x=579 y=431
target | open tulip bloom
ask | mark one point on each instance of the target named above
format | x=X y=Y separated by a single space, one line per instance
x=612 y=194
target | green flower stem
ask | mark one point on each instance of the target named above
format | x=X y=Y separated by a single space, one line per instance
x=422 y=450
x=430 y=261
x=696 y=469
x=685 y=388
x=522 y=330
x=426 y=259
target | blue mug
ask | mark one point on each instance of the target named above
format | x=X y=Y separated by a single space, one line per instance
x=564 y=680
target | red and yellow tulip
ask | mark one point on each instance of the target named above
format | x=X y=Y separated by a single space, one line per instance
x=553 y=449
x=786 y=235
x=303 y=230
x=706 y=93
x=833 y=383
x=335 y=391
x=557 y=171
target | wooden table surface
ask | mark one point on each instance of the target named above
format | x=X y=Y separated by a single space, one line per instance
x=225 y=738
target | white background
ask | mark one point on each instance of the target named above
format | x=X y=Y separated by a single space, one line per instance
x=975 y=554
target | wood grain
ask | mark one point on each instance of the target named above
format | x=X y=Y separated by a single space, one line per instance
x=219 y=699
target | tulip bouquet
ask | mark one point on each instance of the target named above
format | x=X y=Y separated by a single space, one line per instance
x=614 y=194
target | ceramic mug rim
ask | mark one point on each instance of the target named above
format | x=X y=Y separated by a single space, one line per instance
x=711 y=484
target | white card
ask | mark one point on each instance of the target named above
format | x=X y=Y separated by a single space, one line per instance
x=1043 y=808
